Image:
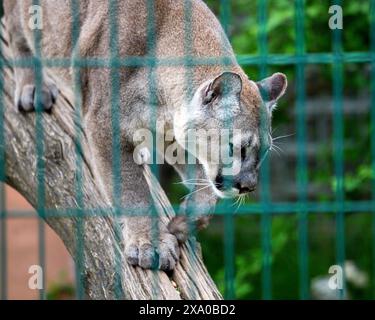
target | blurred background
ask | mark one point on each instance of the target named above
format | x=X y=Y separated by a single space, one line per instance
x=319 y=154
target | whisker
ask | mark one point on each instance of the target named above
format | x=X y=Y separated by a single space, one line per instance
x=241 y=200
x=283 y=137
x=193 y=183
x=186 y=180
x=237 y=200
x=273 y=149
x=245 y=198
x=264 y=157
x=195 y=191
x=238 y=204
x=277 y=149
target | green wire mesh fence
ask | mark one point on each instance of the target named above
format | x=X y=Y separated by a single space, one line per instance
x=266 y=208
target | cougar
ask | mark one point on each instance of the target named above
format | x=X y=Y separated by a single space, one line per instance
x=179 y=67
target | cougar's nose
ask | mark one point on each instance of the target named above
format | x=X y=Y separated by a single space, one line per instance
x=246 y=184
x=242 y=189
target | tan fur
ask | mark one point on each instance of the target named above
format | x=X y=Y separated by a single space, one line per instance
x=169 y=101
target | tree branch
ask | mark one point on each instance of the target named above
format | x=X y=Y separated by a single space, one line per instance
x=83 y=219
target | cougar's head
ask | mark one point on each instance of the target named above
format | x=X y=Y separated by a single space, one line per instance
x=227 y=127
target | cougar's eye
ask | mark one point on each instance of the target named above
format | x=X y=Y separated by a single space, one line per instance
x=210 y=96
x=243 y=153
x=231 y=149
x=244 y=150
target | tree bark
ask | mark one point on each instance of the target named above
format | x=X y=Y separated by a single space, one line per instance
x=82 y=217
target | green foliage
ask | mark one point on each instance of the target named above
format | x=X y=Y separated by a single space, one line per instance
x=62 y=289
x=355 y=182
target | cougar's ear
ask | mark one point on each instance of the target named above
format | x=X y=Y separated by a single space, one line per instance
x=225 y=85
x=272 y=89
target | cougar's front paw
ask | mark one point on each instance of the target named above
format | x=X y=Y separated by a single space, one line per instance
x=179 y=226
x=25 y=97
x=162 y=254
